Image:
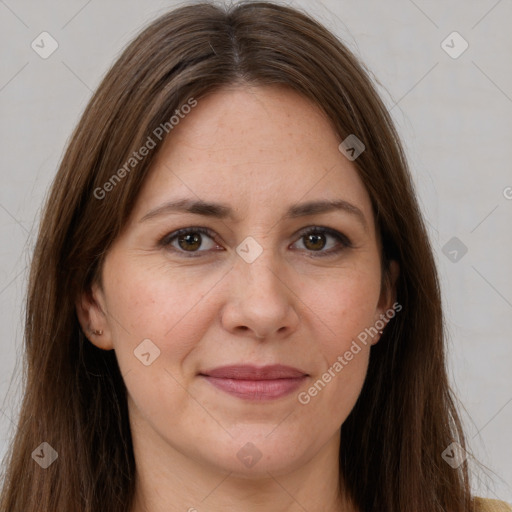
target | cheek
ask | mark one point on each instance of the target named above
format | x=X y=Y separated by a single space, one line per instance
x=345 y=310
x=172 y=309
x=336 y=385
x=154 y=301
x=345 y=305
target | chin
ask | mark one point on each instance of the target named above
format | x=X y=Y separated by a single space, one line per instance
x=258 y=450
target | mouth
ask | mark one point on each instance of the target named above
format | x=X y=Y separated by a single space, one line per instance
x=255 y=383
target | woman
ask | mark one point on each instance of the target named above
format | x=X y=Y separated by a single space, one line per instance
x=233 y=303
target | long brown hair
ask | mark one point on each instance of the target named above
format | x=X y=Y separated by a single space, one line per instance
x=74 y=395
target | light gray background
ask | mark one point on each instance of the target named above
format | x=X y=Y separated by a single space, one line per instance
x=455 y=117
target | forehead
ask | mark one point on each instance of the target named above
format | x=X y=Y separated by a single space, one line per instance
x=260 y=148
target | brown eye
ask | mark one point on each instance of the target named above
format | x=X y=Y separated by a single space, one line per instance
x=190 y=240
x=196 y=240
x=316 y=239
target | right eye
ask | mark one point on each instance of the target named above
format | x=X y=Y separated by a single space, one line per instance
x=188 y=240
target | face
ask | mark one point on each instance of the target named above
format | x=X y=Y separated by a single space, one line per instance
x=263 y=280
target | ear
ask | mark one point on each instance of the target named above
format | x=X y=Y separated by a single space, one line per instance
x=92 y=315
x=387 y=298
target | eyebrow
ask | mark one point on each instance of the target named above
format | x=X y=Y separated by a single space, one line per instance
x=223 y=211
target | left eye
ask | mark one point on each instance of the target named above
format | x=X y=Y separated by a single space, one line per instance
x=189 y=240
x=316 y=236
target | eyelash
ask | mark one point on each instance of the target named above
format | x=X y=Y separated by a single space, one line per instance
x=345 y=242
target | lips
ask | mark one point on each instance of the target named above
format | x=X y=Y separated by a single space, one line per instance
x=255 y=383
x=248 y=372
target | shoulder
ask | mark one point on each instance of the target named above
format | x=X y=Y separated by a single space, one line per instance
x=486 y=505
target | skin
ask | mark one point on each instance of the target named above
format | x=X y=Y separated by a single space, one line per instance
x=259 y=150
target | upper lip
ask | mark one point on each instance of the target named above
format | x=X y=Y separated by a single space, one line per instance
x=249 y=372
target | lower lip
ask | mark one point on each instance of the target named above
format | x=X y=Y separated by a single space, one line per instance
x=256 y=389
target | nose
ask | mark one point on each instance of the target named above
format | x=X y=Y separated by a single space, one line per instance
x=262 y=302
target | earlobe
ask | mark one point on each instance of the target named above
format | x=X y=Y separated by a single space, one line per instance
x=387 y=300
x=93 y=319
x=394 y=272
x=388 y=292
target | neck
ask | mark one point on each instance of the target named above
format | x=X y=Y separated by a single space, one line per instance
x=176 y=482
